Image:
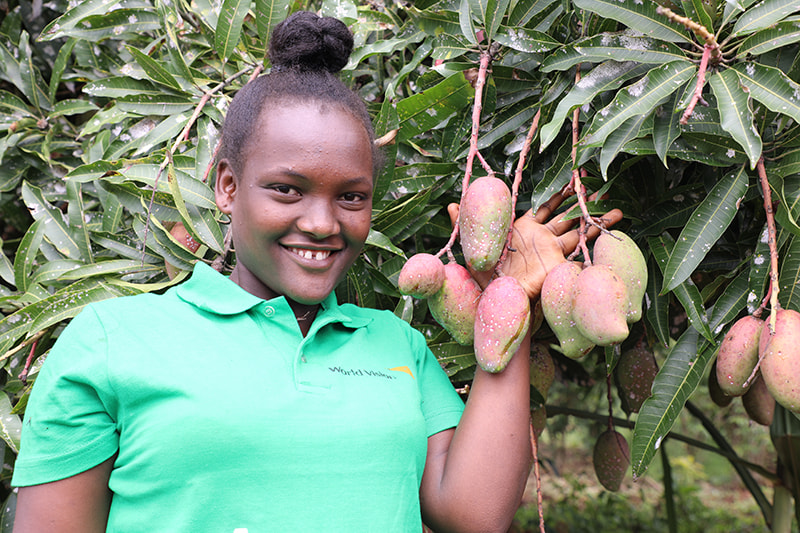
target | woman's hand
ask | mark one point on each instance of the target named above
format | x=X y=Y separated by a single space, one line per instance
x=539 y=244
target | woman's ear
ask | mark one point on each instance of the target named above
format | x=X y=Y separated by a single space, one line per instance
x=225 y=187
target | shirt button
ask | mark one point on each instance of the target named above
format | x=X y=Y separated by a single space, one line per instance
x=269 y=311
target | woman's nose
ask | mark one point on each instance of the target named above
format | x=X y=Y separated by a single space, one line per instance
x=319 y=220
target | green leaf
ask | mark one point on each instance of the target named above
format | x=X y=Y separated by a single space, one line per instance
x=124 y=246
x=111 y=266
x=74 y=15
x=154 y=71
x=763 y=15
x=676 y=381
x=771 y=87
x=607 y=76
x=10 y=424
x=787 y=197
x=507 y=121
x=341 y=9
x=493 y=16
x=778 y=36
x=55 y=227
x=69 y=107
x=59 y=65
x=613 y=46
x=789 y=279
x=448 y=47
x=466 y=22
x=268 y=14
x=229 y=26
x=759 y=271
x=76 y=217
x=525 y=40
x=25 y=257
x=192 y=190
x=525 y=10
x=618 y=138
x=429 y=108
x=638 y=15
x=13 y=104
x=735 y=113
x=118 y=87
x=117 y=24
x=156 y=105
x=411 y=179
x=730 y=303
x=397 y=218
x=657 y=304
x=206 y=228
x=379 y=240
x=686 y=293
x=555 y=177
x=637 y=99
x=707 y=224
x=666 y=127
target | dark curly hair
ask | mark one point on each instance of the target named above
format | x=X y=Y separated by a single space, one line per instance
x=306 y=52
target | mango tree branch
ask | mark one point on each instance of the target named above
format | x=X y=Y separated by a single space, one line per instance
x=698 y=89
x=774 y=289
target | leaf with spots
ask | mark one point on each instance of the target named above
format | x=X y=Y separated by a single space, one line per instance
x=706 y=225
x=229 y=26
x=677 y=379
x=789 y=279
x=10 y=424
x=771 y=87
x=759 y=271
x=613 y=46
x=424 y=111
x=786 y=193
x=736 y=116
x=657 y=305
x=763 y=15
x=639 y=15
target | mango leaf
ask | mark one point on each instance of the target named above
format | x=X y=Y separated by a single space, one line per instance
x=656 y=304
x=53 y=270
x=627 y=131
x=157 y=105
x=69 y=107
x=411 y=179
x=607 y=76
x=10 y=424
x=124 y=246
x=341 y=9
x=192 y=190
x=115 y=24
x=735 y=113
x=686 y=293
x=13 y=105
x=25 y=257
x=154 y=71
x=788 y=164
x=447 y=47
x=466 y=22
x=666 y=127
x=696 y=10
x=490 y=13
x=33 y=86
x=111 y=266
x=524 y=10
x=638 y=15
x=730 y=303
x=390 y=46
x=429 y=108
x=789 y=279
x=787 y=196
x=55 y=227
x=613 y=46
x=508 y=120
x=396 y=218
x=759 y=271
x=555 y=177
x=359 y=286
x=637 y=99
x=118 y=87
x=778 y=36
x=771 y=87
x=268 y=14
x=763 y=15
x=59 y=65
x=206 y=228
x=74 y=15
x=229 y=26
x=525 y=40
x=676 y=381
x=379 y=240
x=76 y=217
x=706 y=225
x=69 y=301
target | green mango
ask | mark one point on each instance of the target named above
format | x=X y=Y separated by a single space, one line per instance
x=556 y=298
x=619 y=252
x=454 y=305
x=484 y=221
x=738 y=355
x=780 y=359
x=599 y=305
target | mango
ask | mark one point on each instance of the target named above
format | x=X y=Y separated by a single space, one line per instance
x=600 y=305
x=635 y=372
x=484 y=221
x=542 y=369
x=556 y=298
x=455 y=304
x=538 y=421
x=759 y=403
x=780 y=366
x=610 y=459
x=738 y=355
x=714 y=390
x=501 y=323
x=421 y=276
x=619 y=252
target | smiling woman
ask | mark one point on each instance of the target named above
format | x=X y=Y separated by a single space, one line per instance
x=341 y=418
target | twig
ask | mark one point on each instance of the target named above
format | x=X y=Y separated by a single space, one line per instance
x=23 y=376
x=537 y=476
x=610 y=403
x=702 y=33
x=773 y=246
x=477 y=106
x=698 y=89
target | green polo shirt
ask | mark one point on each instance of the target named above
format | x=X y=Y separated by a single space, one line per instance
x=225 y=419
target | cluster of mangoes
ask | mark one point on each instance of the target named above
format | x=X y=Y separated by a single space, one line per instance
x=496 y=319
x=777 y=379
x=592 y=306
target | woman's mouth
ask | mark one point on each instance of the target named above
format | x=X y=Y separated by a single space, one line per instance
x=317 y=255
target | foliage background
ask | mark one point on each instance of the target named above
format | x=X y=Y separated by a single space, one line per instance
x=110 y=113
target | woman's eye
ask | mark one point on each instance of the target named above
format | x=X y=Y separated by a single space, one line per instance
x=284 y=189
x=353 y=197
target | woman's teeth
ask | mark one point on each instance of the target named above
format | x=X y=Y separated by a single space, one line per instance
x=318 y=255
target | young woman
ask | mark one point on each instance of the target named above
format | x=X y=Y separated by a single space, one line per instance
x=337 y=418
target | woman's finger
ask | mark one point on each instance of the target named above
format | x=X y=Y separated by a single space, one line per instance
x=569 y=240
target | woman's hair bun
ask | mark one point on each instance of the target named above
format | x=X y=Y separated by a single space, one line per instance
x=307 y=41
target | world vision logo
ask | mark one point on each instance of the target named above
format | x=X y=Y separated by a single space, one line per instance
x=363 y=372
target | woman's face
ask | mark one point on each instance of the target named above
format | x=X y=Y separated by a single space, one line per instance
x=300 y=210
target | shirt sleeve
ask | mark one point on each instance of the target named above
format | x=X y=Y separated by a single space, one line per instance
x=68 y=427
x=441 y=404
